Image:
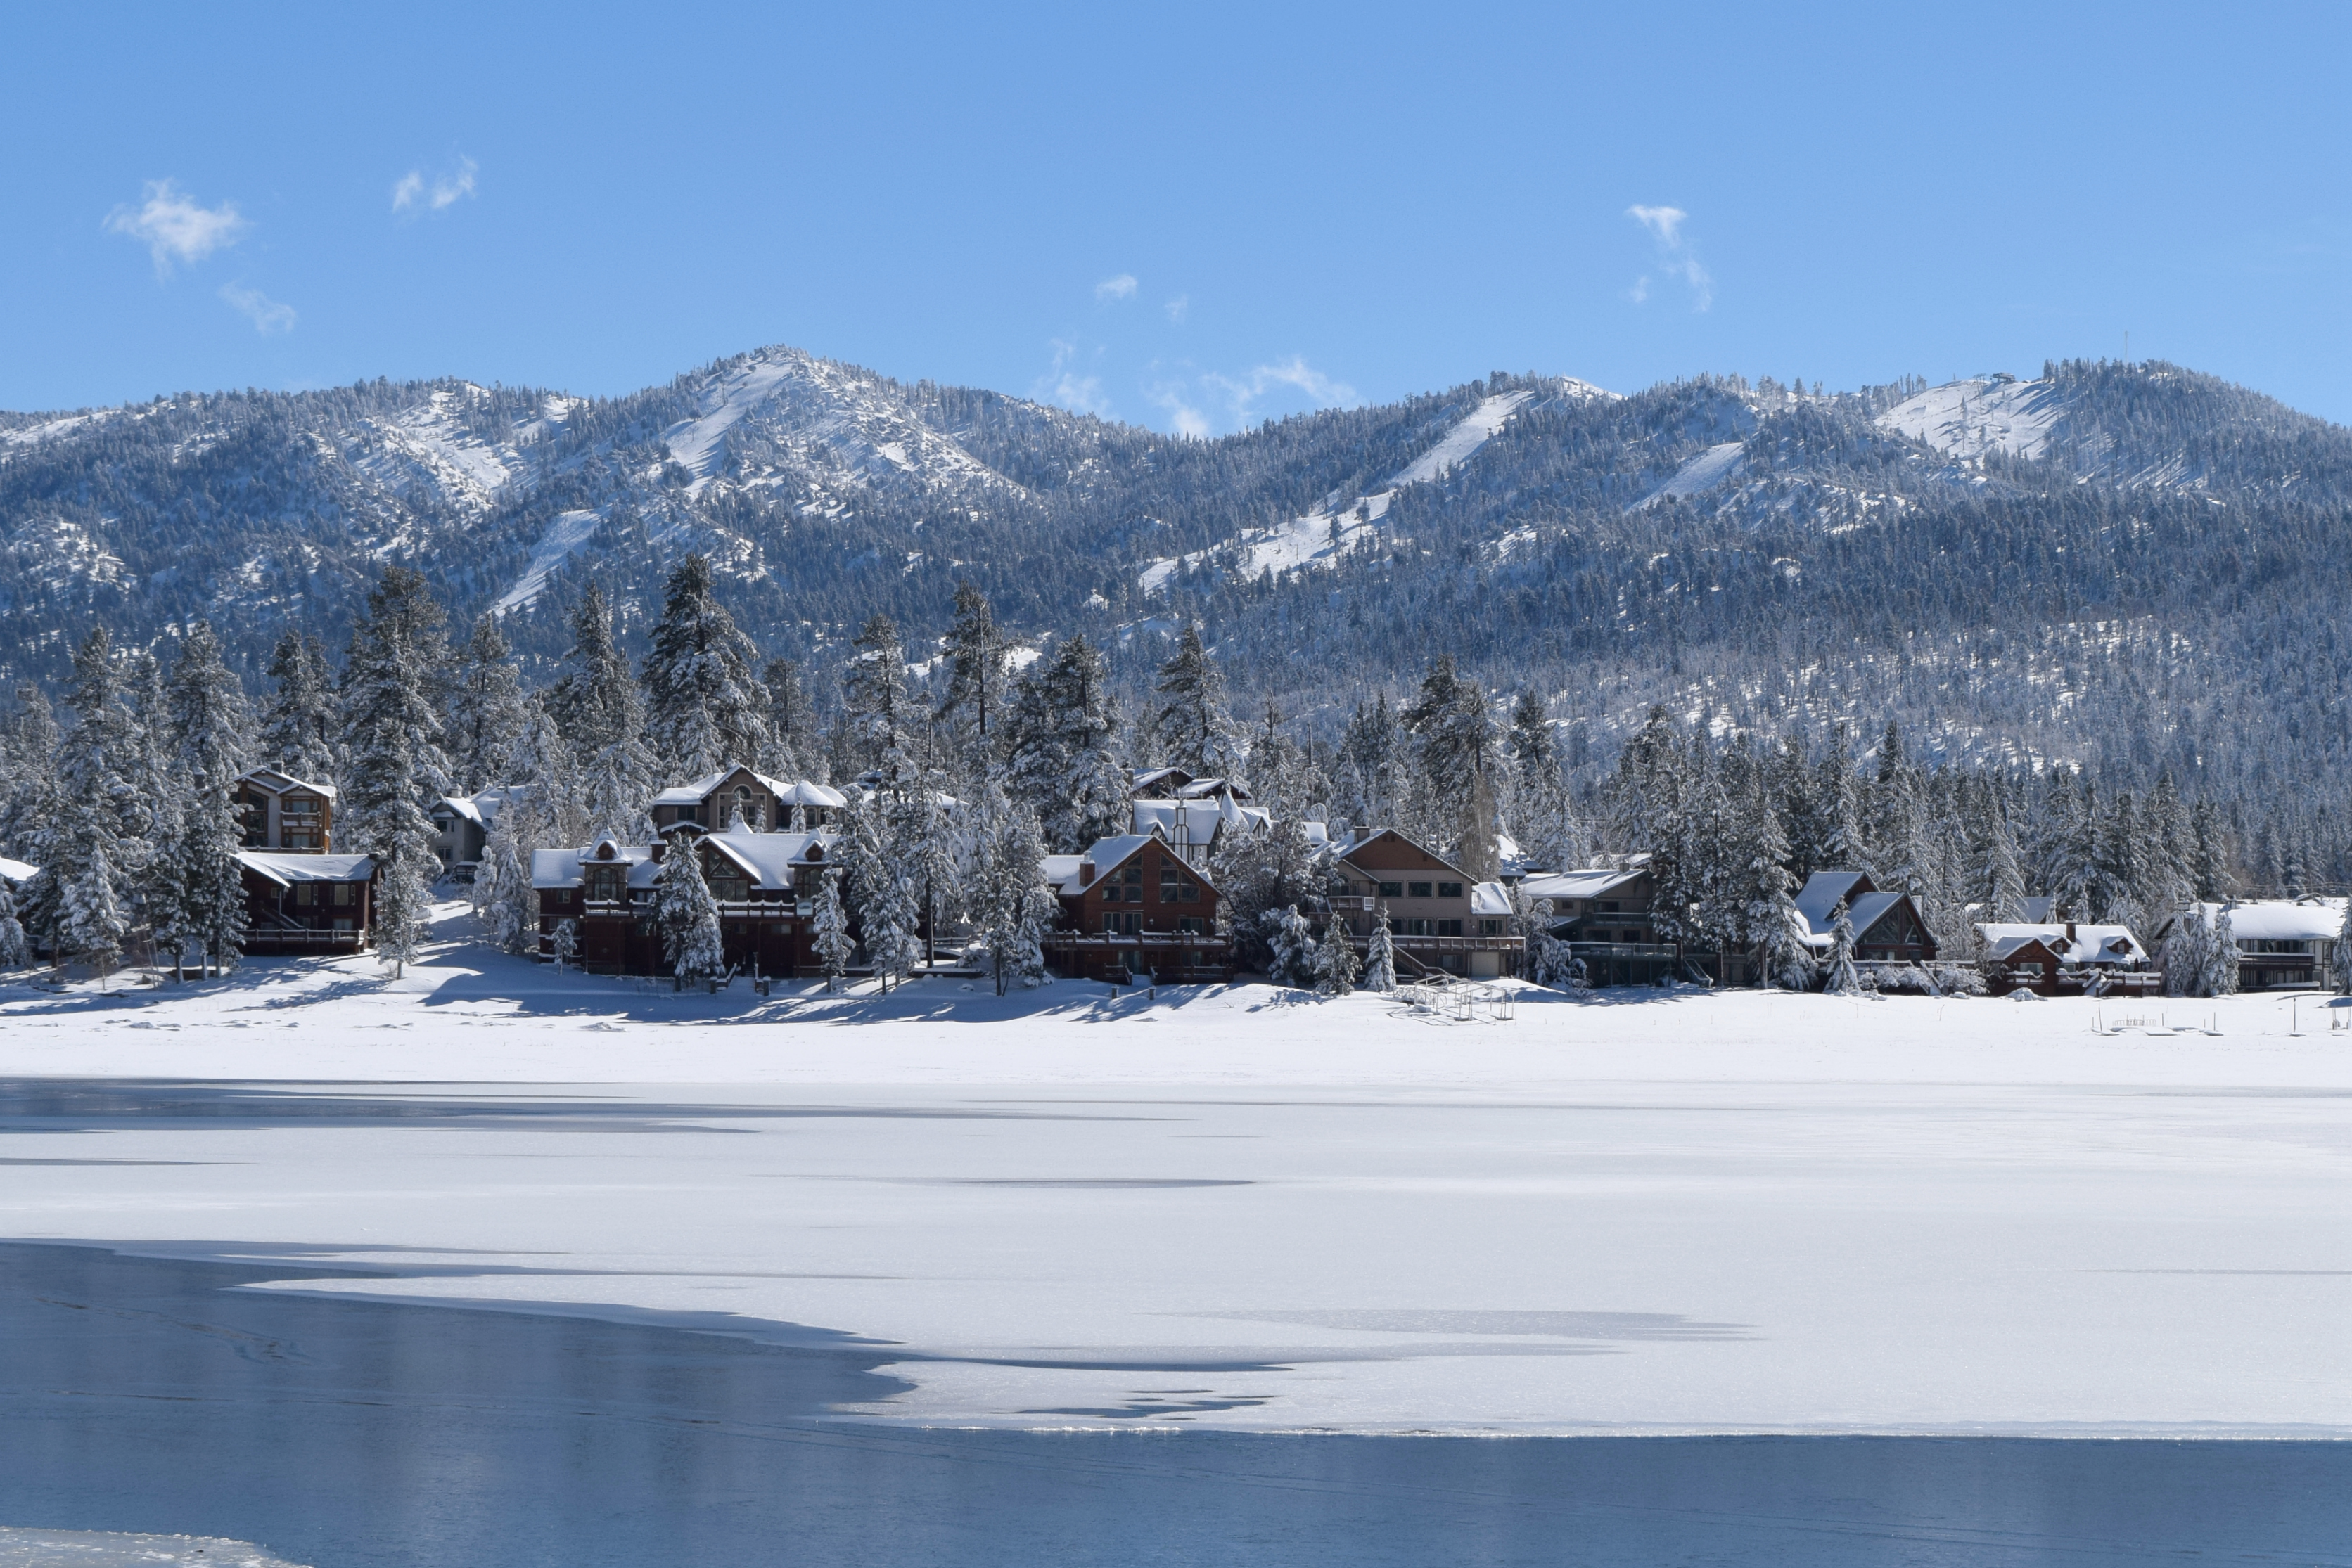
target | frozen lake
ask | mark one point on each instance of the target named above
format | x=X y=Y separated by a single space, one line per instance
x=140 y=1395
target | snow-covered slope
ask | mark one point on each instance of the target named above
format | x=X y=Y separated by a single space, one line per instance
x=1967 y=419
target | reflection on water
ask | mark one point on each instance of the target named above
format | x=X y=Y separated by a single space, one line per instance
x=137 y=1396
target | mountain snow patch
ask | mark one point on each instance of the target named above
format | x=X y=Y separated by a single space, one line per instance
x=1702 y=473
x=1967 y=419
x=564 y=537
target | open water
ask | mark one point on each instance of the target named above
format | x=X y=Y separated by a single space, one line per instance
x=141 y=1396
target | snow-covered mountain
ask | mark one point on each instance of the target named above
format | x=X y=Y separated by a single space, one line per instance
x=1525 y=523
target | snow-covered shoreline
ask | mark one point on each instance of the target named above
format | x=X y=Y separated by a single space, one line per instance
x=1237 y=1208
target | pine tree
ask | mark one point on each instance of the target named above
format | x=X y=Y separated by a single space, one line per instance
x=486 y=708
x=2221 y=972
x=199 y=895
x=33 y=743
x=1192 y=728
x=1261 y=874
x=1844 y=978
x=795 y=748
x=1016 y=904
x=888 y=903
x=1379 y=961
x=1335 y=964
x=706 y=707
x=873 y=690
x=2340 y=955
x=88 y=844
x=976 y=653
x=595 y=704
x=1290 y=948
x=1372 y=764
x=502 y=891
x=391 y=735
x=298 y=726
x=1059 y=750
x=15 y=953
x=688 y=915
x=2187 y=953
x=2003 y=889
x=1459 y=749
x=1837 y=803
x=832 y=944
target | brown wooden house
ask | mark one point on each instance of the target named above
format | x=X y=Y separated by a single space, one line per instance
x=1132 y=906
x=288 y=815
x=713 y=802
x=1439 y=918
x=1887 y=927
x=765 y=885
x=302 y=902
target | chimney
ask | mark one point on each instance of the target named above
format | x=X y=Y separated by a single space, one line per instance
x=1086 y=872
x=2069 y=933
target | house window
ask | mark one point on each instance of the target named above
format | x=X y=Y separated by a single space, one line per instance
x=1449 y=928
x=343 y=890
x=1191 y=926
x=306 y=892
x=1116 y=925
x=1420 y=890
x=1607 y=909
x=1175 y=887
x=1490 y=928
x=1392 y=890
x=1449 y=890
x=1411 y=927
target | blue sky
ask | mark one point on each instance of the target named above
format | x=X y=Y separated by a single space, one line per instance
x=1188 y=217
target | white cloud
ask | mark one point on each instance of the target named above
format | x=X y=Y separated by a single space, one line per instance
x=267 y=315
x=172 y=226
x=1675 y=257
x=1066 y=385
x=1120 y=287
x=1243 y=393
x=1177 y=307
x=1189 y=421
x=1641 y=289
x=410 y=193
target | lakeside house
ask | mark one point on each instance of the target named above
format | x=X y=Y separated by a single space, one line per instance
x=2282 y=943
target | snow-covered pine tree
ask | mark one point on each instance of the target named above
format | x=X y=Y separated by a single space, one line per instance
x=888 y=906
x=1379 y=959
x=1192 y=727
x=15 y=951
x=795 y=748
x=705 y=704
x=1059 y=752
x=1771 y=920
x=873 y=690
x=2188 y=953
x=297 y=724
x=486 y=708
x=2211 y=858
x=503 y=892
x=200 y=891
x=1261 y=874
x=33 y=740
x=595 y=706
x=1335 y=964
x=1838 y=810
x=1548 y=959
x=975 y=650
x=1459 y=748
x=833 y=943
x=564 y=942
x=88 y=844
x=1841 y=979
x=2340 y=955
x=1016 y=904
x=392 y=738
x=2002 y=888
x=1290 y=948
x=1373 y=765
x=688 y=916
x=2221 y=956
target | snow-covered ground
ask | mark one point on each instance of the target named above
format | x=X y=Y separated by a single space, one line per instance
x=1701 y=474
x=564 y=537
x=103 y=1549
x=1243 y=1208
x=1967 y=419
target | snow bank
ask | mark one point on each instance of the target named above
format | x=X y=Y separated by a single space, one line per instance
x=1242 y=1208
x=105 y=1549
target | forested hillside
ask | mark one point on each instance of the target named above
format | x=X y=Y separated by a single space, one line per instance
x=2137 y=567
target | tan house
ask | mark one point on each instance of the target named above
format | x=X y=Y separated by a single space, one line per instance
x=1438 y=918
x=289 y=815
x=765 y=804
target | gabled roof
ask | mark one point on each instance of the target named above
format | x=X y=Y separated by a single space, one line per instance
x=1489 y=898
x=1592 y=882
x=279 y=783
x=1105 y=855
x=288 y=870
x=1356 y=846
x=768 y=859
x=1817 y=901
x=2089 y=944
x=693 y=794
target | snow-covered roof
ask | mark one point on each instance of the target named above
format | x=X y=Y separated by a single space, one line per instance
x=1200 y=822
x=2282 y=919
x=807 y=793
x=1590 y=883
x=551 y=868
x=1818 y=900
x=463 y=806
x=1489 y=898
x=287 y=869
x=692 y=794
x=2088 y=945
x=1354 y=844
x=17 y=870
x=279 y=783
x=1061 y=871
x=769 y=858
